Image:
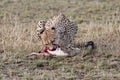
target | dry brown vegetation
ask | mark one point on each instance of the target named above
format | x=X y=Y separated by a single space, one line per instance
x=98 y=20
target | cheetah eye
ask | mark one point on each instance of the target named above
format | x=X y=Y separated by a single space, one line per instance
x=53 y=28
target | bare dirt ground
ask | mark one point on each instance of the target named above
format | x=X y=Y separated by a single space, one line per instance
x=98 y=20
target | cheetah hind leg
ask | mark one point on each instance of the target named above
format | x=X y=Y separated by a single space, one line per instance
x=89 y=46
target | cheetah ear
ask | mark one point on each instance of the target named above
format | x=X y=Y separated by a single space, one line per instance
x=42 y=22
x=61 y=14
x=39 y=22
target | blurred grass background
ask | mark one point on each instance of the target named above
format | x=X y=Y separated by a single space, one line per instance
x=98 y=20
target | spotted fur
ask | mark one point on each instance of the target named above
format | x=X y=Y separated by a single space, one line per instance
x=65 y=30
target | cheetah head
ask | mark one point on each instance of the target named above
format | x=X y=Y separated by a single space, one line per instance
x=47 y=35
x=50 y=32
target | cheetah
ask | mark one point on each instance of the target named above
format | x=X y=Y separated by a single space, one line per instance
x=57 y=35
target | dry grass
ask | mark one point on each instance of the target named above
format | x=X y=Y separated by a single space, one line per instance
x=98 y=20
